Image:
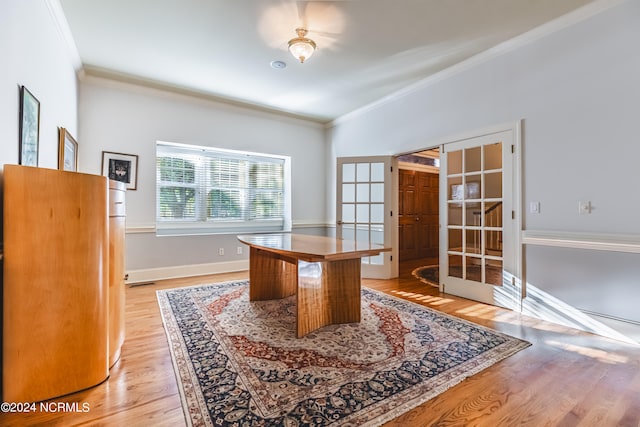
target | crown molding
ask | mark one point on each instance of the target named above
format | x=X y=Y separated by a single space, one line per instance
x=84 y=70
x=574 y=17
x=91 y=73
x=62 y=25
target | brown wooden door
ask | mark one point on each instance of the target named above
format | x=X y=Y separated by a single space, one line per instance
x=418 y=214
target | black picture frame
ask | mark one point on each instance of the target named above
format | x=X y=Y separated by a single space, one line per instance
x=29 y=128
x=121 y=167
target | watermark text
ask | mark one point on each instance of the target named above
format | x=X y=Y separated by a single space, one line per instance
x=46 y=407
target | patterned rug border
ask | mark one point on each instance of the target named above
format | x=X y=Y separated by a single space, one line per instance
x=193 y=410
x=416 y=273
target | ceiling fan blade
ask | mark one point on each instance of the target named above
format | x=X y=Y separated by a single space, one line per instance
x=302 y=13
x=325 y=33
x=324 y=20
x=321 y=17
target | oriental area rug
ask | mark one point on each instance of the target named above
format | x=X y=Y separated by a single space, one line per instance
x=239 y=363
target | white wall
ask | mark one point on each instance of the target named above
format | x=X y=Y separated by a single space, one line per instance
x=578 y=92
x=34 y=54
x=126 y=118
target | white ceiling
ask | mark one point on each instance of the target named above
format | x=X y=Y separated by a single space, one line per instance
x=367 y=49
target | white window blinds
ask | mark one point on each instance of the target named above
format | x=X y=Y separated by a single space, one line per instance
x=208 y=190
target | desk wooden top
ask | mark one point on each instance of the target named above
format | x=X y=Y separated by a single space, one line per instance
x=312 y=248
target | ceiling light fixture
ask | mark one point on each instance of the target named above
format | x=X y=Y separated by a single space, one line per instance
x=301 y=47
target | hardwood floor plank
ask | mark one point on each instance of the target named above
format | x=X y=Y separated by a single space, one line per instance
x=566 y=378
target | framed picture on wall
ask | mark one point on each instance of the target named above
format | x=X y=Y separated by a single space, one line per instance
x=29 y=128
x=67 y=151
x=121 y=167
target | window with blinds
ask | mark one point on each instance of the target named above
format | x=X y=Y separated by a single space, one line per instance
x=201 y=190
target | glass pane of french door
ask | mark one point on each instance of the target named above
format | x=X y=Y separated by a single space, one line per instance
x=474 y=204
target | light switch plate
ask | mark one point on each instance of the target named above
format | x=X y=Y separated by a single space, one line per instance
x=584 y=208
x=534 y=207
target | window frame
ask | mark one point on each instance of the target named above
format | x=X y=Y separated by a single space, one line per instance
x=201 y=223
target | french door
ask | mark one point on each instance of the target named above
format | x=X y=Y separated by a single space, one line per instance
x=478 y=227
x=365 y=193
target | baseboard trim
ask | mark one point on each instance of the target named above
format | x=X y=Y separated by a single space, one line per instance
x=626 y=327
x=178 y=271
x=543 y=306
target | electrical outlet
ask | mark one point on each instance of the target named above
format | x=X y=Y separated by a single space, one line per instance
x=239 y=250
x=221 y=251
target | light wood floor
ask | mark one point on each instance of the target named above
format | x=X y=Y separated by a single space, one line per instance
x=566 y=378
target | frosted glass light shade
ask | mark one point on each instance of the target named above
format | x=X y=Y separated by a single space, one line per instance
x=301 y=47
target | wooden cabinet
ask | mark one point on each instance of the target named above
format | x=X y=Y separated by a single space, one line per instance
x=63 y=287
x=116 y=268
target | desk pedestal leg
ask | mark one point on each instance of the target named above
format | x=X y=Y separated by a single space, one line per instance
x=328 y=295
x=270 y=277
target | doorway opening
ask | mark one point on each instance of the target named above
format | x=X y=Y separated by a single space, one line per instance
x=418 y=215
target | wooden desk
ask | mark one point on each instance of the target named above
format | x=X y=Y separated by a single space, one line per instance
x=324 y=272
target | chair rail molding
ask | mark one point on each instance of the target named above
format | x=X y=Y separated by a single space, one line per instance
x=151 y=228
x=578 y=240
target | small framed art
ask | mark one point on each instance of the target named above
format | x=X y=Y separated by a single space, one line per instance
x=29 y=128
x=121 y=167
x=67 y=151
